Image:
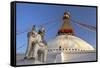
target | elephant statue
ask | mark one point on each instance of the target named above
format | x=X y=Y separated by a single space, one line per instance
x=36 y=49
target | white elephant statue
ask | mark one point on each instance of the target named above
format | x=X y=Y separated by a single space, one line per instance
x=36 y=49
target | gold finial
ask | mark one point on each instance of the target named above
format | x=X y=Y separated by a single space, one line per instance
x=66 y=15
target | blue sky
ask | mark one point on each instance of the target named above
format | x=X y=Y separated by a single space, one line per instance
x=36 y=14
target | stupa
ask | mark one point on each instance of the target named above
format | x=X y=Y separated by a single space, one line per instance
x=68 y=46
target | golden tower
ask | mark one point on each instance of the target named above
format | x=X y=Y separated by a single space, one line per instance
x=66 y=27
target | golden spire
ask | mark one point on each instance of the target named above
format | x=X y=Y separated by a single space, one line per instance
x=66 y=27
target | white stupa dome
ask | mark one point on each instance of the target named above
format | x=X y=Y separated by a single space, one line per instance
x=69 y=41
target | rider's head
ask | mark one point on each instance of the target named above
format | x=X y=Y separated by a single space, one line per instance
x=42 y=29
x=33 y=28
